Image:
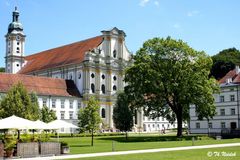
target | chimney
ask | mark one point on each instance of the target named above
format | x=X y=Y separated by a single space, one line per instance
x=237 y=69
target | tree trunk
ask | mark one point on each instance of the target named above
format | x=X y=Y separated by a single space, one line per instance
x=126 y=135
x=179 y=122
x=92 y=138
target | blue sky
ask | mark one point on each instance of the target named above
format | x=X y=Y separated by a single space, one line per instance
x=208 y=25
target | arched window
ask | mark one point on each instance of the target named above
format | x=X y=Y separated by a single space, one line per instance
x=93 y=88
x=92 y=75
x=114 y=53
x=114 y=78
x=114 y=87
x=103 y=76
x=79 y=76
x=103 y=114
x=103 y=89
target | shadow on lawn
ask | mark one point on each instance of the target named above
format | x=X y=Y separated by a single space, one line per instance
x=148 y=138
x=78 y=145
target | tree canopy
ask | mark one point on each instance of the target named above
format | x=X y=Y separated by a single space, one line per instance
x=18 y=102
x=47 y=115
x=89 y=118
x=167 y=76
x=122 y=114
x=224 y=61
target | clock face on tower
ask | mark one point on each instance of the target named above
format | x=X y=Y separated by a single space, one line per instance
x=17 y=38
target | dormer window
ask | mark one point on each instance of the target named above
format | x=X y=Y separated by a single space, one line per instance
x=229 y=80
x=114 y=53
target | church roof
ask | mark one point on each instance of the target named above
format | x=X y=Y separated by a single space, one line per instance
x=39 y=85
x=69 y=54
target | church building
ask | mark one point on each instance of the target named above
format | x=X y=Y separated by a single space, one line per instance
x=65 y=77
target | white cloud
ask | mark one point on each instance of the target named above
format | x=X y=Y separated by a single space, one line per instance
x=192 y=13
x=156 y=3
x=177 y=26
x=143 y=2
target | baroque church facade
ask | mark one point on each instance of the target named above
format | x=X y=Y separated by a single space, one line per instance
x=95 y=65
x=65 y=77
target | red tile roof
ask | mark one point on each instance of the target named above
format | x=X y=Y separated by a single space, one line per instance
x=64 y=55
x=231 y=74
x=39 y=85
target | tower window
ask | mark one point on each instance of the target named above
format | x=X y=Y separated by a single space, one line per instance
x=114 y=53
x=93 y=88
x=79 y=76
x=17 y=43
x=17 y=49
x=92 y=75
x=114 y=78
x=103 y=89
x=17 y=65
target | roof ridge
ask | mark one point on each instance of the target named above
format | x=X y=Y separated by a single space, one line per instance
x=65 y=45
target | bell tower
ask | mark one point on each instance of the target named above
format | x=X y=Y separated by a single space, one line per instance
x=15 y=43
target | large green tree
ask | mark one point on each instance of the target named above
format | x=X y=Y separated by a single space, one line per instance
x=47 y=115
x=122 y=114
x=89 y=118
x=2 y=69
x=224 y=61
x=167 y=76
x=18 y=102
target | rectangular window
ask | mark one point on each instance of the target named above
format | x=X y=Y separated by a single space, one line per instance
x=197 y=125
x=62 y=115
x=232 y=98
x=79 y=104
x=210 y=124
x=44 y=102
x=71 y=104
x=53 y=103
x=233 y=111
x=221 y=98
x=223 y=125
x=62 y=104
x=222 y=112
x=70 y=115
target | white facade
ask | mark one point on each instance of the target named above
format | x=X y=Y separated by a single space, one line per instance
x=227 y=112
x=157 y=125
x=66 y=108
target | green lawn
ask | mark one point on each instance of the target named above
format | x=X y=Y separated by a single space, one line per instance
x=200 y=154
x=80 y=145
